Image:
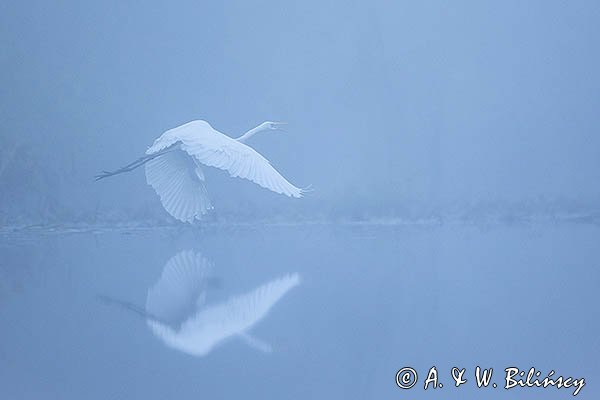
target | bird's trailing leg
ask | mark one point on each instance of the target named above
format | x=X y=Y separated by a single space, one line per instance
x=255 y=343
x=128 y=306
x=131 y=166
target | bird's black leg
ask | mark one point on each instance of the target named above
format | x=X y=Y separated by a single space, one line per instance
x=131 y=166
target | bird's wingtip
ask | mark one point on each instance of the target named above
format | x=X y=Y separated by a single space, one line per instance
x=305 y=190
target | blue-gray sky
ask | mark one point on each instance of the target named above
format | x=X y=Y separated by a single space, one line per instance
x=390 y=103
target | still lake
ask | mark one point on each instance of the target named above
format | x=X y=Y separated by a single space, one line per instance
x=297 y=311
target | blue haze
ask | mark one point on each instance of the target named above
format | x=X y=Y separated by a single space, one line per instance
x=371 y=301
x=453 y=149
x=396 y=108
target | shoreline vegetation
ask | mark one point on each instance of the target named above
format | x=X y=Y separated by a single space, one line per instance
x=479 y=220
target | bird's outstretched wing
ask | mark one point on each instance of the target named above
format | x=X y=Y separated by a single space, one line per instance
x=179 y=182
x=240 y=313
x=214 y=149
x=213 y=324
x=244 y=162
x=179 y=291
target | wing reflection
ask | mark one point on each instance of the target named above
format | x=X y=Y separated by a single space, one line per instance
x=177 y=313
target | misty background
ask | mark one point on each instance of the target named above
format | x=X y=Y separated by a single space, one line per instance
x=396 y=109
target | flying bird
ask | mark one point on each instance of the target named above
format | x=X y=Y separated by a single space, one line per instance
x=184 y=321
x=177 y=311
x=174 y=166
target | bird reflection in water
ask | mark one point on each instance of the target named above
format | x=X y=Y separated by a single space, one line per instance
x=177 y=312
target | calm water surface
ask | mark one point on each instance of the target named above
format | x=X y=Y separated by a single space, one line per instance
x=296 y=312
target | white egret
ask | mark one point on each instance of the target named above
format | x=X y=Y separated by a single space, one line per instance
x=173 y=166
x=177 y=314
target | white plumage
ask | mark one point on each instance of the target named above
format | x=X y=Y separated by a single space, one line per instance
x=179 y=183
x=181 y=289
x=173 y=166
x=177 y=313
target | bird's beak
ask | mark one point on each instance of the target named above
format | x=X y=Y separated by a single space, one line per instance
x=279 y=125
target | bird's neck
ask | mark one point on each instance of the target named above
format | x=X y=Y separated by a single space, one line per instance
x=249 y=134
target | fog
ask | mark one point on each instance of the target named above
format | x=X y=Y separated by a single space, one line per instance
x=452 y=149
x=396 y=109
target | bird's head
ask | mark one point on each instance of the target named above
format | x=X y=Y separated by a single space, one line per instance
x=272 y=126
